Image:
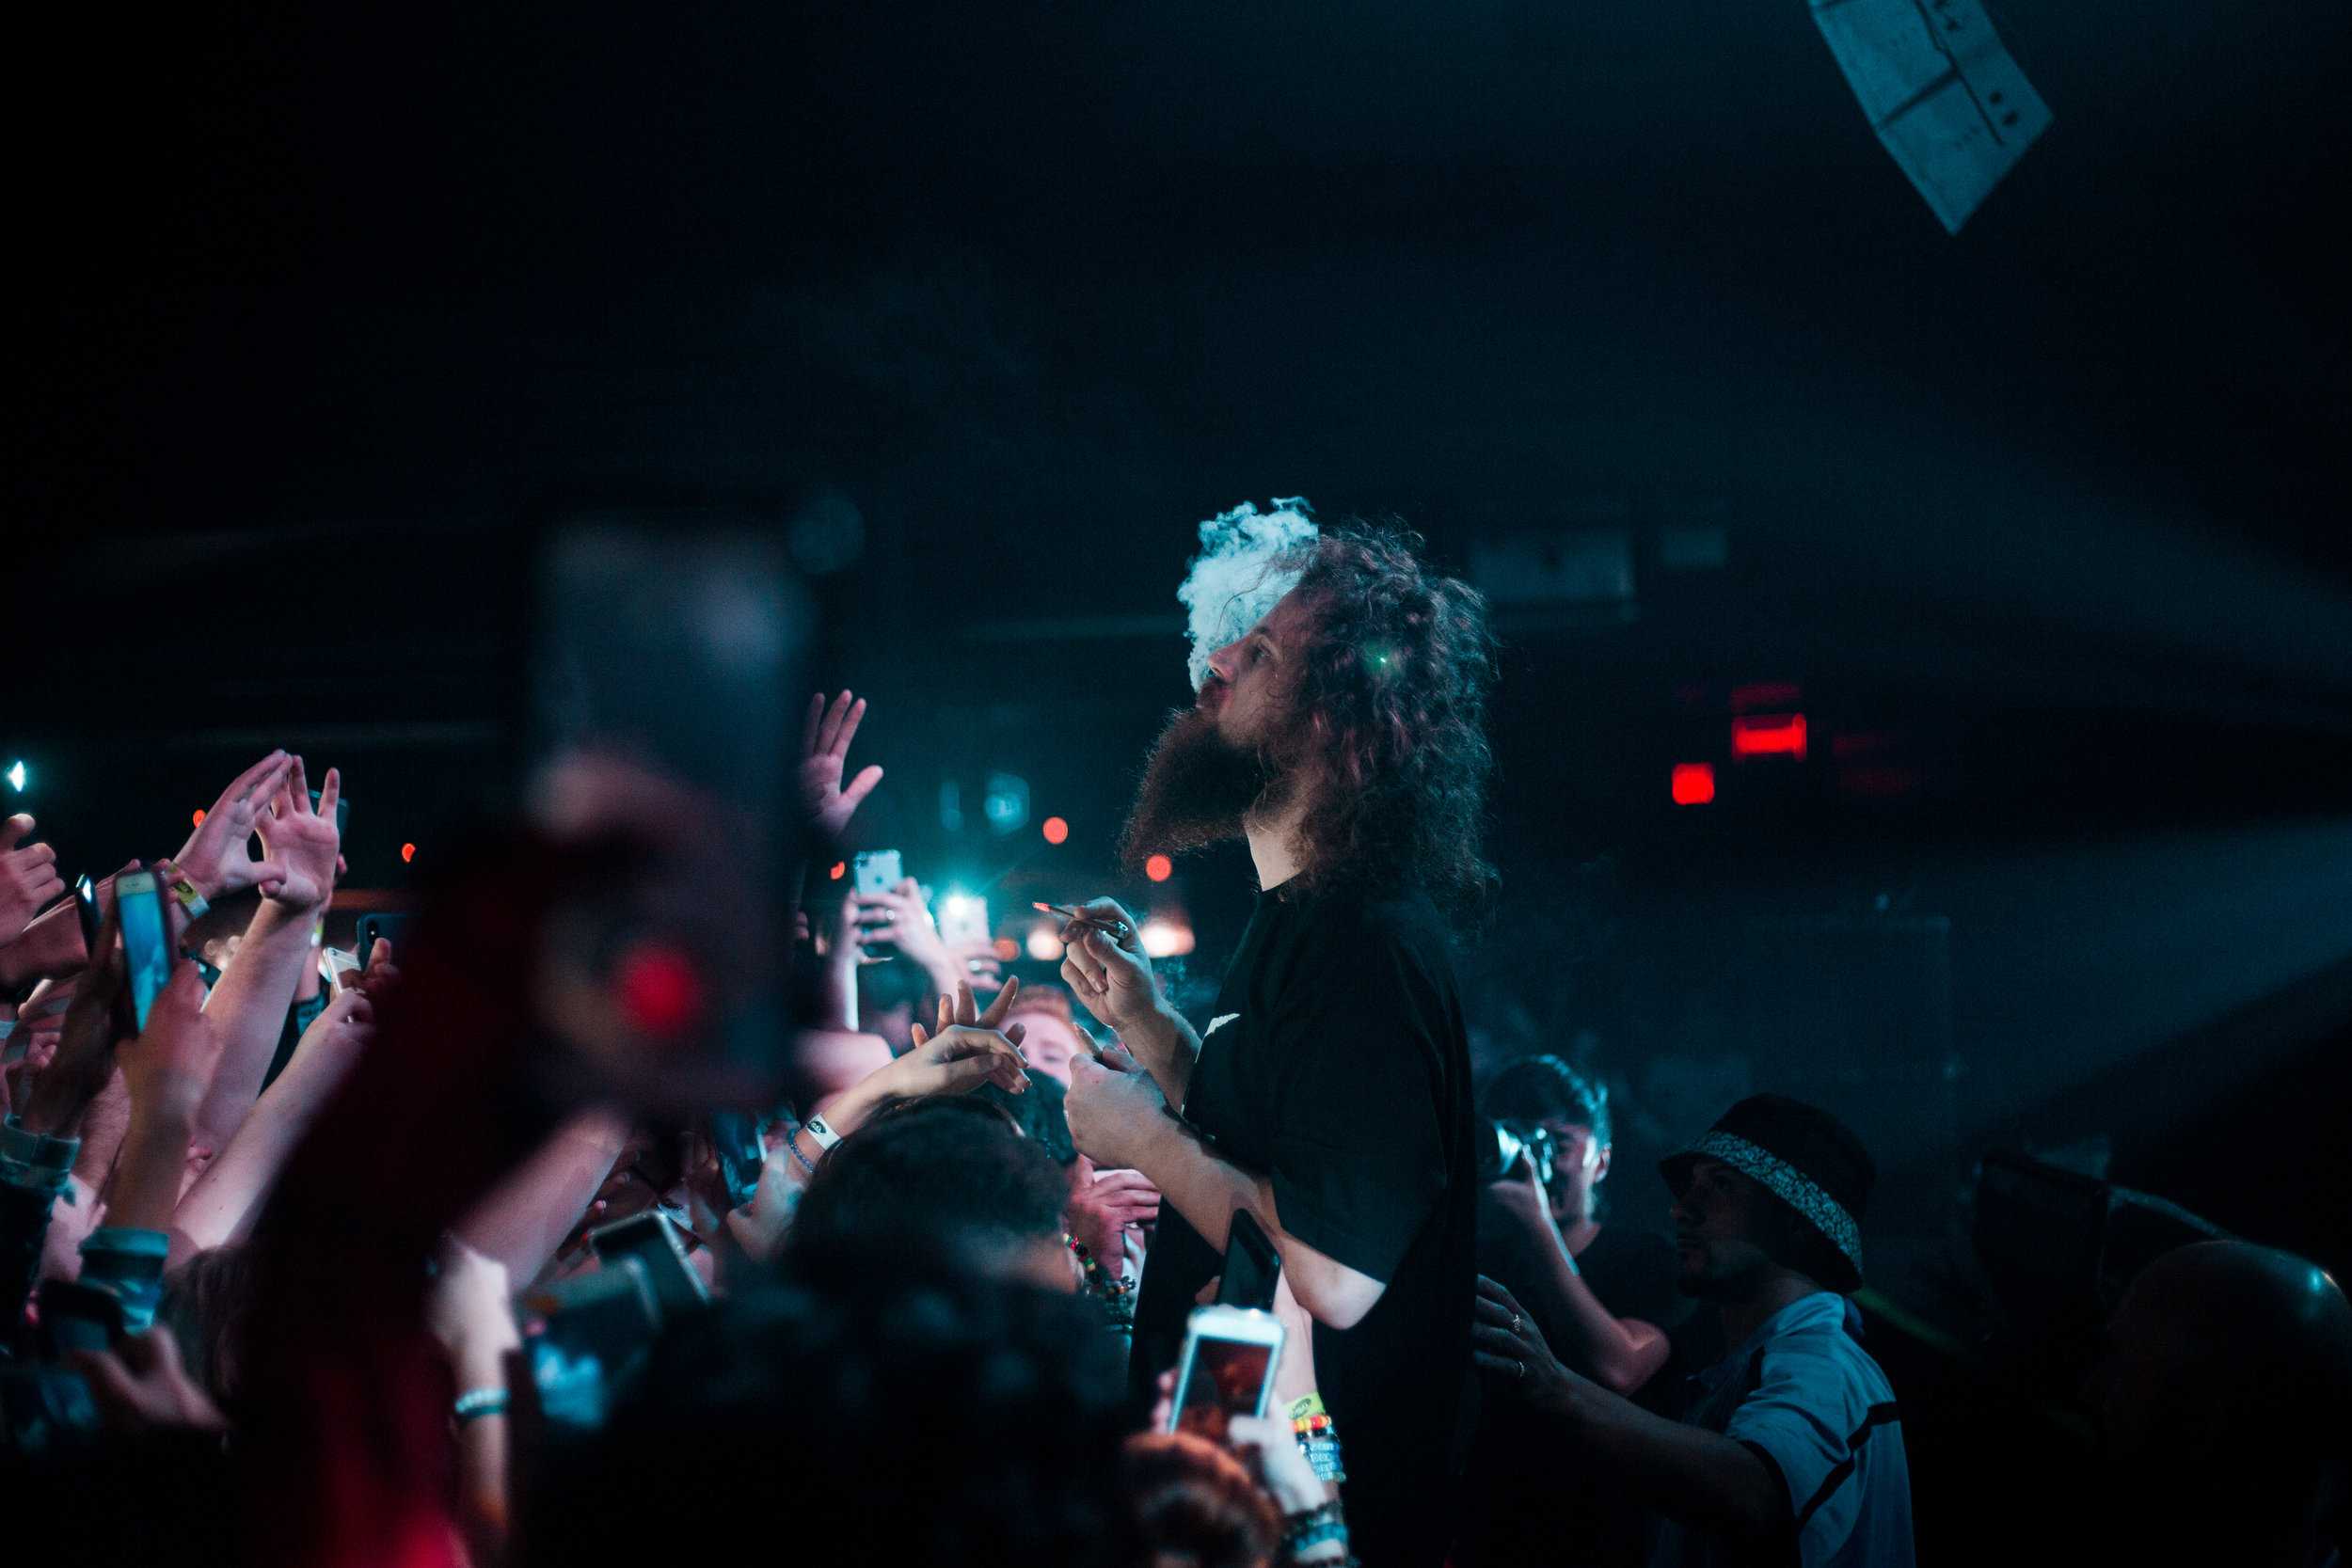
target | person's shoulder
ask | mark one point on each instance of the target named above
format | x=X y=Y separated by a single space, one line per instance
x=1812 y=1345
x=1359 y=921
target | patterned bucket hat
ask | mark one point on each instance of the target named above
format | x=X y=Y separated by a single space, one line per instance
x=1802 y=1156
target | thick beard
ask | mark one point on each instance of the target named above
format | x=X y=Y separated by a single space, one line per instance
x=1199 y=789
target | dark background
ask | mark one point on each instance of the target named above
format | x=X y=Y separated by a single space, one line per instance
x=987 y=306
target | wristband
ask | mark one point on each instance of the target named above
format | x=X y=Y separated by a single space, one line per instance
x=474 y=1404
x=1311 y=1405
x=35 y=1160
x=792 y=1146
x=815 y=1127
x=192 y=901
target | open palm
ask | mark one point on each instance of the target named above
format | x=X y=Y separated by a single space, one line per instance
x=302 y=841
x=824 y=755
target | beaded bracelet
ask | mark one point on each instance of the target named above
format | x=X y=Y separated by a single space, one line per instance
x=792 y=1143
x=1113 y=1290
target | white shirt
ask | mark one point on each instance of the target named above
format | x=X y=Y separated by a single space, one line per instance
x=1804 y=1394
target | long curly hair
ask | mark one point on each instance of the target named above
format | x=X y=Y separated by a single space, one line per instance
x=1388 y=719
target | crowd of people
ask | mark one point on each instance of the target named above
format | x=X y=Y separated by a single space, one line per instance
x=501 y=1247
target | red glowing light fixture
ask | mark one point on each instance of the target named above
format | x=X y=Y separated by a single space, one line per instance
x=1768 y=735
x=1159 y=868
x=840 y=869
x=1693 y=782
x=407 y=854
x=199 y=818
x=1006 y=948
x=1056 y=830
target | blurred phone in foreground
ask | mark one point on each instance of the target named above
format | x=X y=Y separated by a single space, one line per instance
x=964 y=921
x=873 y=871
x=1226 y=1369
x=653 y=1240
x=146 y=955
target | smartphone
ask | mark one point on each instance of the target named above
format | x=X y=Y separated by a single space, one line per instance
x=146 y=955
x=86 y=906
x=389 y=926
x=75 y=1315
x=654 y=1242
x=964 y=921
x=1227 y=1368
x=875 y=871
x=1252 y=1267
x=337 y=968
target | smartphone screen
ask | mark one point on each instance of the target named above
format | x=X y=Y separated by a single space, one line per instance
x=146 y=955
x=1222 y=1377
x=86 y=906
x=1252 y=1266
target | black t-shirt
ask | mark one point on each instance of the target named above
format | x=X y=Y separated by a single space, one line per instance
x=1528 y=1503
x=1335 y=1063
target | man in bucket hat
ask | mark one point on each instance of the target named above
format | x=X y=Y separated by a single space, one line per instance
x=1789 y=1448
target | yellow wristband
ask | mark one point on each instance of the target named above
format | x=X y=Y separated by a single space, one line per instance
x=1311 y=1405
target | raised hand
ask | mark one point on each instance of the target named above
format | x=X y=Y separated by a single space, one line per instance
x=1113 y=1106
x=302 y=841
x=140 y=1385
x=967 y=1049
x=83 y=1058
x=219 y=856
x=1104 y=965
x=1507 y=1344
x=824 y=752
x=171 y=1066
x=28 y=877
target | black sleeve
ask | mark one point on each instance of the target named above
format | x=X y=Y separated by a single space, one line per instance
x=1360 y=1155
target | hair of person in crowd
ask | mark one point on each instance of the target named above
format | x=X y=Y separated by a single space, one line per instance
x=1544 y=1089
x=1196 y=1504
x=204 y=1305
x=885 y=1406
x=954 y=1174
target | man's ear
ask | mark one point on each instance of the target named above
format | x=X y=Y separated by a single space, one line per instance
x=1600 y=1166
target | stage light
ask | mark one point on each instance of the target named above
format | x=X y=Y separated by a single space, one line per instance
x=1693 y=782
x=407 y=854
x=16 y=776
x=840 y=869
x=957 y=906
x=198 y=820
x=1764 y=734
x=1159 y=868
x=1166 y=939
x=1004 y=949
x=1056 y=830
x=1044 y=944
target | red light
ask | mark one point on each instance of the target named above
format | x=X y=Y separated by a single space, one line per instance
x=407 y=852
x=840 y=869
x=1159 y=868
x=1006 y=949
x=200 y=816
x=1056 y=830
x=1693 y=782
x=660 y=990
x=1761 y=735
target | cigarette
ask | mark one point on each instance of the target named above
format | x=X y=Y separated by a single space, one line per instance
x=1113 y=928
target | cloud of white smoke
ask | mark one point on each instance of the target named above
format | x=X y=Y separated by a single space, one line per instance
x=1236 y=579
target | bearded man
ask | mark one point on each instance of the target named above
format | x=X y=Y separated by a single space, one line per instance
x=1342 y=733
